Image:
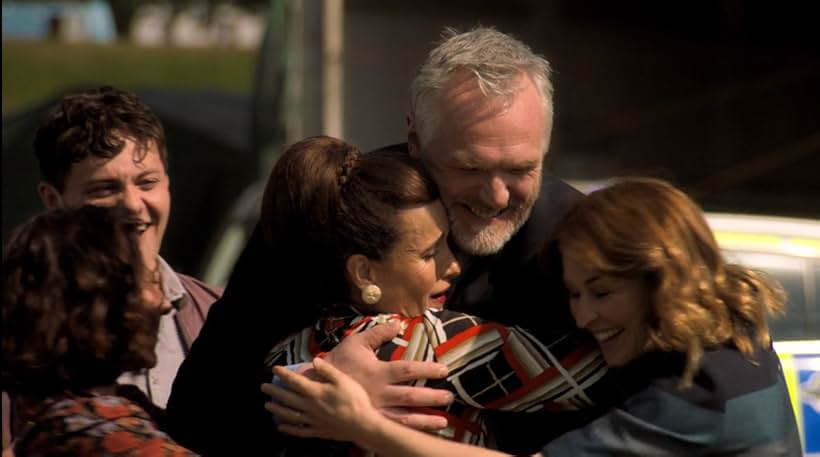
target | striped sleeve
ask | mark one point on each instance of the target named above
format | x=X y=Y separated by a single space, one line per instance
x=501 y=368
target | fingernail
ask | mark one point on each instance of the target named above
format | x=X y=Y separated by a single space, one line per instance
x=448 y=397
x=443 y=372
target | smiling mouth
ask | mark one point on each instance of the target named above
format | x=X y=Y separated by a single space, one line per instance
x=485 y=213
x=139 y=227
x=607 y=335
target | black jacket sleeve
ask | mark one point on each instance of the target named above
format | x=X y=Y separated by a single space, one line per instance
x=216 y=407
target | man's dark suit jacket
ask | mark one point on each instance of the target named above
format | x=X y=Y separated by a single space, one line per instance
x=216 y=407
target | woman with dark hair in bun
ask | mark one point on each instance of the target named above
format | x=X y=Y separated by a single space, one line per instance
x=371 y=237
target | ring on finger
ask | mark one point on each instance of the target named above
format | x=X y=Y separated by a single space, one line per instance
x=298 y=420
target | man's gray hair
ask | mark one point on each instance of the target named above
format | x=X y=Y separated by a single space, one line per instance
x=495 y=59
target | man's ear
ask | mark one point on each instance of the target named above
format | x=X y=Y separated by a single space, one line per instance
x=412 y=135
x=50 y=196
x=360 y=271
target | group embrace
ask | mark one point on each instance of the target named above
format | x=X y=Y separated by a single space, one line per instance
x=445 y=295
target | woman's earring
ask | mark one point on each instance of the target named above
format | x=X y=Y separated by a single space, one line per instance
x=371 y=294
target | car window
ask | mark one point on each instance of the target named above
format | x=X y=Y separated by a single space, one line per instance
x=813 y=307
x=792 y=325
x=800 y=320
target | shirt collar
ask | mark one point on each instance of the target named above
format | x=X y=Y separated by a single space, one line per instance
x=171 y=285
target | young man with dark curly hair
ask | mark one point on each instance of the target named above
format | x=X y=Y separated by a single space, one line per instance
x=105 y=147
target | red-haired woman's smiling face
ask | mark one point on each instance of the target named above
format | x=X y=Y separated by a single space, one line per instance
x=614 y=309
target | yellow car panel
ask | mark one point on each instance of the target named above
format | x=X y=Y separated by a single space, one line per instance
x=789 y=250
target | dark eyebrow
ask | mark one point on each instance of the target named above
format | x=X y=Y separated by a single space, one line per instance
x=148 y=172
x=592 y=279
x=435 y=243
x=102 y=182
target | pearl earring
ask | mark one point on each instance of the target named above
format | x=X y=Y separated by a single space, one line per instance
x=371 y=294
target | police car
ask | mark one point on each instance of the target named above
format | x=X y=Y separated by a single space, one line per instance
x=789 y=250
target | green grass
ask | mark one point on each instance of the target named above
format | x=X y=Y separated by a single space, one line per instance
x=33 y=70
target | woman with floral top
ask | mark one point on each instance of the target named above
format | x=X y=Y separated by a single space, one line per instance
x=79 y=309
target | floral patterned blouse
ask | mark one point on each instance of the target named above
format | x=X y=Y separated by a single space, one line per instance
x=93 y=425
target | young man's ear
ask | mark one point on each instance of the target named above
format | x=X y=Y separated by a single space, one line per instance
x=49 y=195
x=412 y=135
x=360 y=271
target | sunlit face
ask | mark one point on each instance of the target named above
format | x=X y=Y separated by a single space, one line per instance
x=613 y=309
x=141 y=186
x=486 y=157
x=418 y=271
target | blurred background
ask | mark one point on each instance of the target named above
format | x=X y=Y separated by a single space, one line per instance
x=720 y=97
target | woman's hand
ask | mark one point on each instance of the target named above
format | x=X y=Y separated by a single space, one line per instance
x=383 y=381
x=339 y=409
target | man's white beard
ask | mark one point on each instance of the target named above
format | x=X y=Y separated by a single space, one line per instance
x=491 y=239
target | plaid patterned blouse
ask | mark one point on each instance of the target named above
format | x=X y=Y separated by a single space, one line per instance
x=491 y=366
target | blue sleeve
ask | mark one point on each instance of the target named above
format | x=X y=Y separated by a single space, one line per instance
x=278 y=382
x=653 y=422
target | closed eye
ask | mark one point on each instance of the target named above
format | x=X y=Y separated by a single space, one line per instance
x=521 y=171
x=148 y=184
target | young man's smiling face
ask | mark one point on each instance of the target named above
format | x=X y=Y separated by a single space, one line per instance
x=135 y=179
